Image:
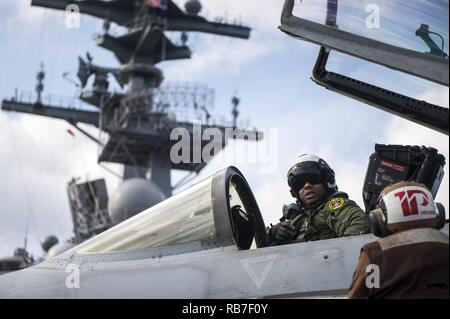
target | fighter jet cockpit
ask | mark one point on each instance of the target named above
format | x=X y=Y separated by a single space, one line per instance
x=219 y=211
x=209 y=241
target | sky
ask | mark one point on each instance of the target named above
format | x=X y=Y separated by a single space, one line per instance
x=270 y=72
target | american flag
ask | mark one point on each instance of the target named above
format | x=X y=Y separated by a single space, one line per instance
x=161 y=4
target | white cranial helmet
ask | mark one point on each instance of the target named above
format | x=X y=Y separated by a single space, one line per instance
x=406 y=205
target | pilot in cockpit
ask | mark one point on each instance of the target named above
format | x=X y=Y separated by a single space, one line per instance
x=321 y=211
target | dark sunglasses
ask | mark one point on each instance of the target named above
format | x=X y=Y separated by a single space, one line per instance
x=301 y=181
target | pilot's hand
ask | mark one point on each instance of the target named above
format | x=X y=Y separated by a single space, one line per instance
x=290 y=211
x=283 y=231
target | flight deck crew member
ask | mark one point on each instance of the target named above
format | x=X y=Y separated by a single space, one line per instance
x=411 y=258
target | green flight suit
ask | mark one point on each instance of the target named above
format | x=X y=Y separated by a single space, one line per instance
x=336 y=216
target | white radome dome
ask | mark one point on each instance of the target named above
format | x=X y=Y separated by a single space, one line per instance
x=132 y=197
x=58 y=249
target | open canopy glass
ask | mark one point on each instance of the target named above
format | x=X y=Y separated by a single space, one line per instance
x=408 y=36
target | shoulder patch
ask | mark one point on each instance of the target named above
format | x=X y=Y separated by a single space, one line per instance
x=335 y=204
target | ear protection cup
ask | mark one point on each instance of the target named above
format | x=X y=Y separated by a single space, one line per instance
x=374 y=226
x=441 y=218
x=377 y=225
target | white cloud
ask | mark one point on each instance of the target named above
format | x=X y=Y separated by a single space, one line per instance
x=27 y=16
x=39 y=158
x=20 y=17
x=219 y=55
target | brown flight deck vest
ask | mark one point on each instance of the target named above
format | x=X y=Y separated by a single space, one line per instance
x=413 y=264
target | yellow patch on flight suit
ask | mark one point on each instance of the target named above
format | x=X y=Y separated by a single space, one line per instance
x=335 y=204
